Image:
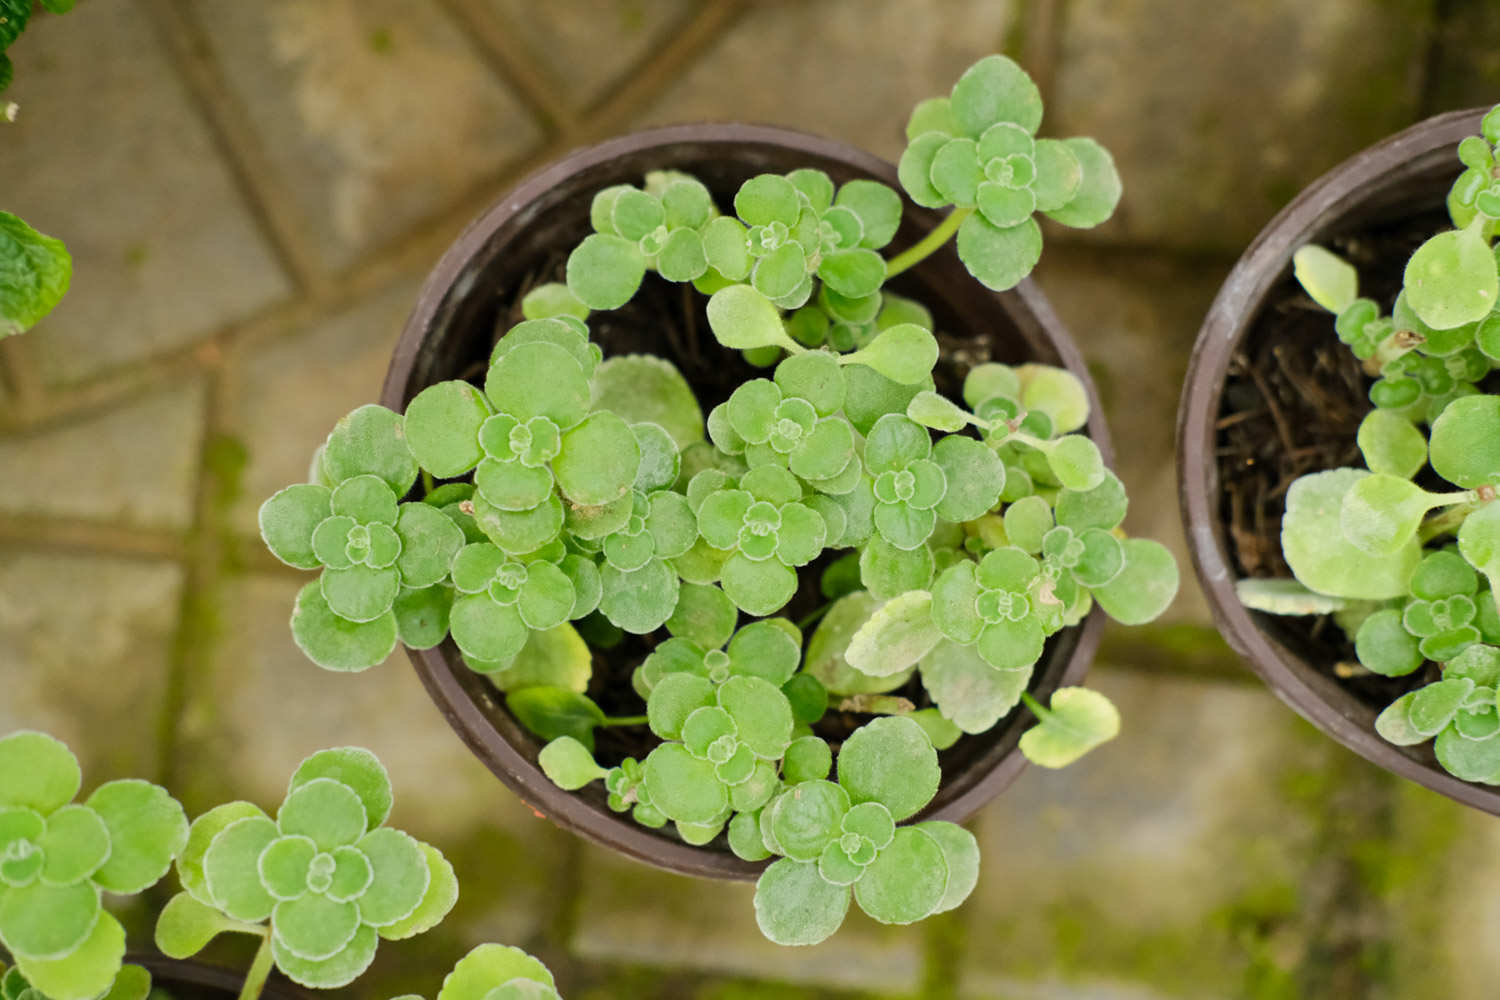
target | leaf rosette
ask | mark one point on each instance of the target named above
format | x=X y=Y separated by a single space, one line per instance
x=769 y=650
x=634 y=229
x=58 y=856
x=497 y=972
x=327 y=875
x=768 y=531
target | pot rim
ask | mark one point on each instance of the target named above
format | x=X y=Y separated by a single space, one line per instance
x=1417 y=150
x=434 y=666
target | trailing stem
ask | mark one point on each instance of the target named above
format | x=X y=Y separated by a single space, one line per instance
x=924 y=248
x=260 y=969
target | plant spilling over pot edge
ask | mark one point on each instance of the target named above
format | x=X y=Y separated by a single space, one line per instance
x=582 y=489
x=1406 y=552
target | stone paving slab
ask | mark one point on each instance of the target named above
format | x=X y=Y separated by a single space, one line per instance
x=283 y=399
x=81 y=636
x=135 y=466
x=1218 y=114
x=585 y=48
x=847 y=69
x=109 y=156
x=376 y=114
x=631 y=913
x=1181 y=860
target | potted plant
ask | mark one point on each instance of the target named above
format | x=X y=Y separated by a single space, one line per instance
x=672 y=383
x=1338 y=455
x=320 y=884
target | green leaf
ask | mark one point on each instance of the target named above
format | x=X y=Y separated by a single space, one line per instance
x=826 y=649
x=795 y=906
x=437 y=901
x=640 y=600
x=1075 y=461
x=604 y=271
x=132 y=982
x=229 y=868
x=1099 y=192
x=186 y=926
x=674 y=698
x=599 y=460
x=546 y=301
x=40 y=771
x=767 y=198
x=682 y=786
x=968 y=691
x=371 y=441
x=975 y=478
x=761 y=712
x=1465 y=445
x=200 y=835
x=519 y=532
x=999 y=258
x=1144 y=587
x=1319 y=555
x=489 y=966
x=401 y=877
x=85 y=973
x=555 y=657
x=147 y=829
x=878 y=208
x=336 y=643
x=854 y=273
x=907 y=881
x=1391 y=444
x=422 y=615
x=1381 y=513
x=961 y=853
x=932 y=410
x=76 y=843
x=758 y=587
x=1452 y=280
x=569 y=764
x=887 y=571
x=552 y=712
x=41 y=921
x=1470 y=760
x=1059 y=175
x=897 y=635
x=645 y=389
x=35 y=269
x=330 y=973
x=326 y=811
x=355 y=768
x=442 y=427
x=1327 y=277
x=1056 y=392
x=995 y=89
x=1078 y=721
x=705 y=615
x=1479 y=541
x=744 y=319
x=915 y=169
x=288 y=519
x=890 y=761
x=904 y=353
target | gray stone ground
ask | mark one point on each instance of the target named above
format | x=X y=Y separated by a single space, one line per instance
x=252 y=195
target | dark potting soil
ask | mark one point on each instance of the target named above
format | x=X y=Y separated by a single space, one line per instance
x=670 y=321
x=1292 y=404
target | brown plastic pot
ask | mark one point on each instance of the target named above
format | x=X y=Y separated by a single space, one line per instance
x=547 y=214
x=1405 y=175
x=196 y=981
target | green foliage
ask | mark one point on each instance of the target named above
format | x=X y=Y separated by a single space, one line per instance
x=1377 y=546
x=322 y=882
x=57 y=856
x=35 y=269
x=567 y=500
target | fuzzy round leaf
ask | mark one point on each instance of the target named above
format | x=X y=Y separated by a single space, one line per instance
x=442 y=427
x=1451 y=280
x=569 y=764
x=200 y=835
x=357 y=769
x=890 y=761
x=683 y=787
x=1391 y=444
x=510 y=485
x=1004 y=206
x=519 y=532
x=75 y=845
x=726 y=247
x=745 y=839
x=853 y=273
x=1059 y=175
x=1099 y=191
x=330 y=973
x=999 y=258
x=887 y=571
x=878 y=208
x=956 y=171
x=486 y=630
x=1470 y=760
x=779 y=272
x=360 y=594
x=437 y=901
x=1328 y=278
x=675 y=697
x=953 y=603
x=351 y=875
x=539 y=379
x=640 y=600
x=1315 y=548
x=147 y=829
x=1076 y=462
x=551 y=712
x=1144 y=587
x=660 y=460
x=751 y=409
x=604 y=271
x=975 y=476
x=41 y=921
x=758 y=587
x=967 y=690
x=634 y=213
x=705 y=615
x=644 y=389
x=767 y=198
x=490 y=966
x=815 y=376
x=422 y=616
x=324 y=810
x=1465 y=445
x=904 y=353
x=916 y=169
x=961 y=853
x=230 y=868
x=1380 y=514
x=546 y=598
x=895 y=442
x=807 y=759
x=907 y=881
x=766 y=651
x=932 y=410
x=743 y=319
x=87 y=971
x=571 y=334
x=367 y=499
x=371 y=441
x=992 y=90
x=1056 y=392
x=1443 y=574
x=544 y=302
x=284 y=864
x=896 y=636
x=761 y=713
x=40 y=771
x=400 y=879
x=806 y=818
x=186 y=926
x=1479 y=541
x=795 y=905
x=1012 y=645
x=1078 y=721
x=288 y=519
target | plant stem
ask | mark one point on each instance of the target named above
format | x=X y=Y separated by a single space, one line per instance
x=924 y=248
x=814 y=616
x=625 y=720
x=1036 y=708
x=1446 y=523
x=255 y=979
